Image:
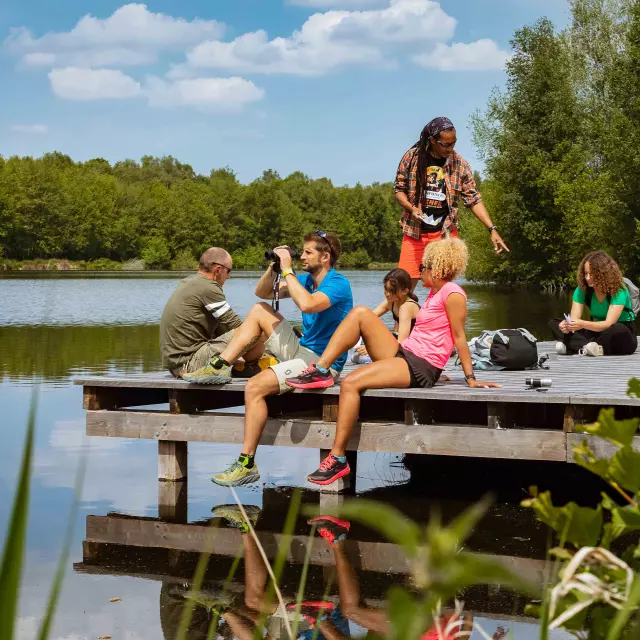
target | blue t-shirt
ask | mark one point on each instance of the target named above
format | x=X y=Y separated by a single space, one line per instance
x=319 y=327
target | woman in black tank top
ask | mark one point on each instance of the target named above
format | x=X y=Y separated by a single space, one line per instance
x=401 y=301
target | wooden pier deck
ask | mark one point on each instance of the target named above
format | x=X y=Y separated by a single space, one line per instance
x=512 y=422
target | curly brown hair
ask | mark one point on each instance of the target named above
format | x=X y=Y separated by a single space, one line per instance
x=605 y=273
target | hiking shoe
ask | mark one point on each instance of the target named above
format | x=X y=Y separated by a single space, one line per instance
x=209 y=375
x=312 y=611
x=591 y=349
x=311 y=378
x=332 y=529
x=233 y=516
x=250 y=369
x=330 y=470
x=214 y=602
x=236 y=475
x=561 y=348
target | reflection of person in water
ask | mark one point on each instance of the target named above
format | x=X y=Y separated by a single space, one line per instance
x=335 y=532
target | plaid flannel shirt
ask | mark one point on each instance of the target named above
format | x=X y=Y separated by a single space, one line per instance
x=460 y=183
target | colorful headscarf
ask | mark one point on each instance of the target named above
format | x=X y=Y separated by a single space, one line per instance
x=436 y=127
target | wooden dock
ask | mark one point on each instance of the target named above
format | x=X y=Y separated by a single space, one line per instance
x=512 y=422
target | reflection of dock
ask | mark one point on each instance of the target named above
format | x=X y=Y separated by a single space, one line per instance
x=148 y=533
x=452 y=420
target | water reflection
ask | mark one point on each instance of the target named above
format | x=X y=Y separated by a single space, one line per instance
x=350 y=569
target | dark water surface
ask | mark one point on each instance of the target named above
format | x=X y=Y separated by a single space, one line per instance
x=55 y=329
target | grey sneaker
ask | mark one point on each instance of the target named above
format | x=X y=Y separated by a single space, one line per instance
x=236 y=475
x=561 y=348
x=208 y=375
x=233 y=516
x=592 y=349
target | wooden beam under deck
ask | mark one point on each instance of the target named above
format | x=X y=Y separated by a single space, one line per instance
x=435 y=439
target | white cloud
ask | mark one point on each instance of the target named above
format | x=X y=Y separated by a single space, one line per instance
x=482 y=55
x=132 y=35
x=327 y=41
x=29 y=128
x=77 y=83
x=225 y=94
x=338 y=4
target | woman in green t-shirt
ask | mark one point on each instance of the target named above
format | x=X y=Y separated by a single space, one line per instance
x=612 y=328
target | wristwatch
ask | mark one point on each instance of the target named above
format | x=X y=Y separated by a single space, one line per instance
x=287 y=272
x=471 y=376
x=493 y=227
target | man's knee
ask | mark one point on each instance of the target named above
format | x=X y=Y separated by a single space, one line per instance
x=259 y=308
x=360 y=310
x=263 y=385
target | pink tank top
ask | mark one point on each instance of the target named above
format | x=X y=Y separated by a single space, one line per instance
x=431 y=338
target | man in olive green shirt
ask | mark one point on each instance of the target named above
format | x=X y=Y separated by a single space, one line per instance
x=197 y=322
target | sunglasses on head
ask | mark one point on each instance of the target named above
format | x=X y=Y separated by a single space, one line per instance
x=323 y=234
x=423 y=267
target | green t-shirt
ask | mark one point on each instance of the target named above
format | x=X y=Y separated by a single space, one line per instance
x=196 y=312
x=599 y=309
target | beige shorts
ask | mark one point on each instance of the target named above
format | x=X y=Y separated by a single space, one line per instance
x=285 y=345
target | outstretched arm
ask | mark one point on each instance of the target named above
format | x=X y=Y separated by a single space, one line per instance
x=456 y=307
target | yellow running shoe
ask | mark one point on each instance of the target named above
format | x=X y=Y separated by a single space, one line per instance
x=232 y=514
x=236 y=475
x=209 y=375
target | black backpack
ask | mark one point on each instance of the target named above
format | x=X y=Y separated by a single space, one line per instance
x=506 y=349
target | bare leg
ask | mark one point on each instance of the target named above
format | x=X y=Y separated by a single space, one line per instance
x=255 y=353
x=261 y=319
x=360 y=321
x=391 y=372
x=349 y=592
x=255 y=393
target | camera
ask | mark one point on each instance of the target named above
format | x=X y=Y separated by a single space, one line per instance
x=272 y=257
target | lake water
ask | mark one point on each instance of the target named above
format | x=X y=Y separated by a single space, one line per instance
x=53 y=329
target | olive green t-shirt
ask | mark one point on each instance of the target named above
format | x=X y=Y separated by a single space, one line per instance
x=599 y=309
x=196 y=312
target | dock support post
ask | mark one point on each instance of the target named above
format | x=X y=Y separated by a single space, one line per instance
x=172 y=501
x=172 y=460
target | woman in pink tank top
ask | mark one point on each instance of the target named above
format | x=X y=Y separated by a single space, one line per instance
x=417 y=362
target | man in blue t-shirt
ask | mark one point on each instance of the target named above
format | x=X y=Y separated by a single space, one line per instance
x=324 y=297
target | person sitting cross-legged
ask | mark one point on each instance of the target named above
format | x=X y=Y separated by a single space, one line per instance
x=612 y=328
x=417 y=362
x=324 y=297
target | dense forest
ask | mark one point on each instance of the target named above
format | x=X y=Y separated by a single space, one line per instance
x=160 y=210
x=561 y=145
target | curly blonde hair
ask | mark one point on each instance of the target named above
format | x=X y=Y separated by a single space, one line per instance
x=605 y=273
x=446 y=258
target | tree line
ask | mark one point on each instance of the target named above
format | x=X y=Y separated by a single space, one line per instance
x=562 y=147
x=160 y=210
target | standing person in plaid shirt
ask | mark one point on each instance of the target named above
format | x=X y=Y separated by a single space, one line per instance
x=431 y=178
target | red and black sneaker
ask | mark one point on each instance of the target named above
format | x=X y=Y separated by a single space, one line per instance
x=313 y=611
x=330 y=470
x=312 y=378
x=332 y=529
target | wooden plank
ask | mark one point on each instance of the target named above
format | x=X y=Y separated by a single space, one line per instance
x=172 y=460
x=500 y=416
x=172 y=501
x=602 y=448
x=379 y=557
x=100 y=397
x=452 y=440
x=329 y=409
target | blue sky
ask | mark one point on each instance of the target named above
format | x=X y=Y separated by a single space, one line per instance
x=335 y=88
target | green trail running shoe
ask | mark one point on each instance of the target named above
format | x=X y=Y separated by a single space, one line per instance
x=236 y=475
x=209 y=375
x=232 y=514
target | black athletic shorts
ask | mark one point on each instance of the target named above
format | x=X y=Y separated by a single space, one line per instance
x=423 y=374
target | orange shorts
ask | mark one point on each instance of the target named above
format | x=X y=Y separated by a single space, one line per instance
x=412 y=251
